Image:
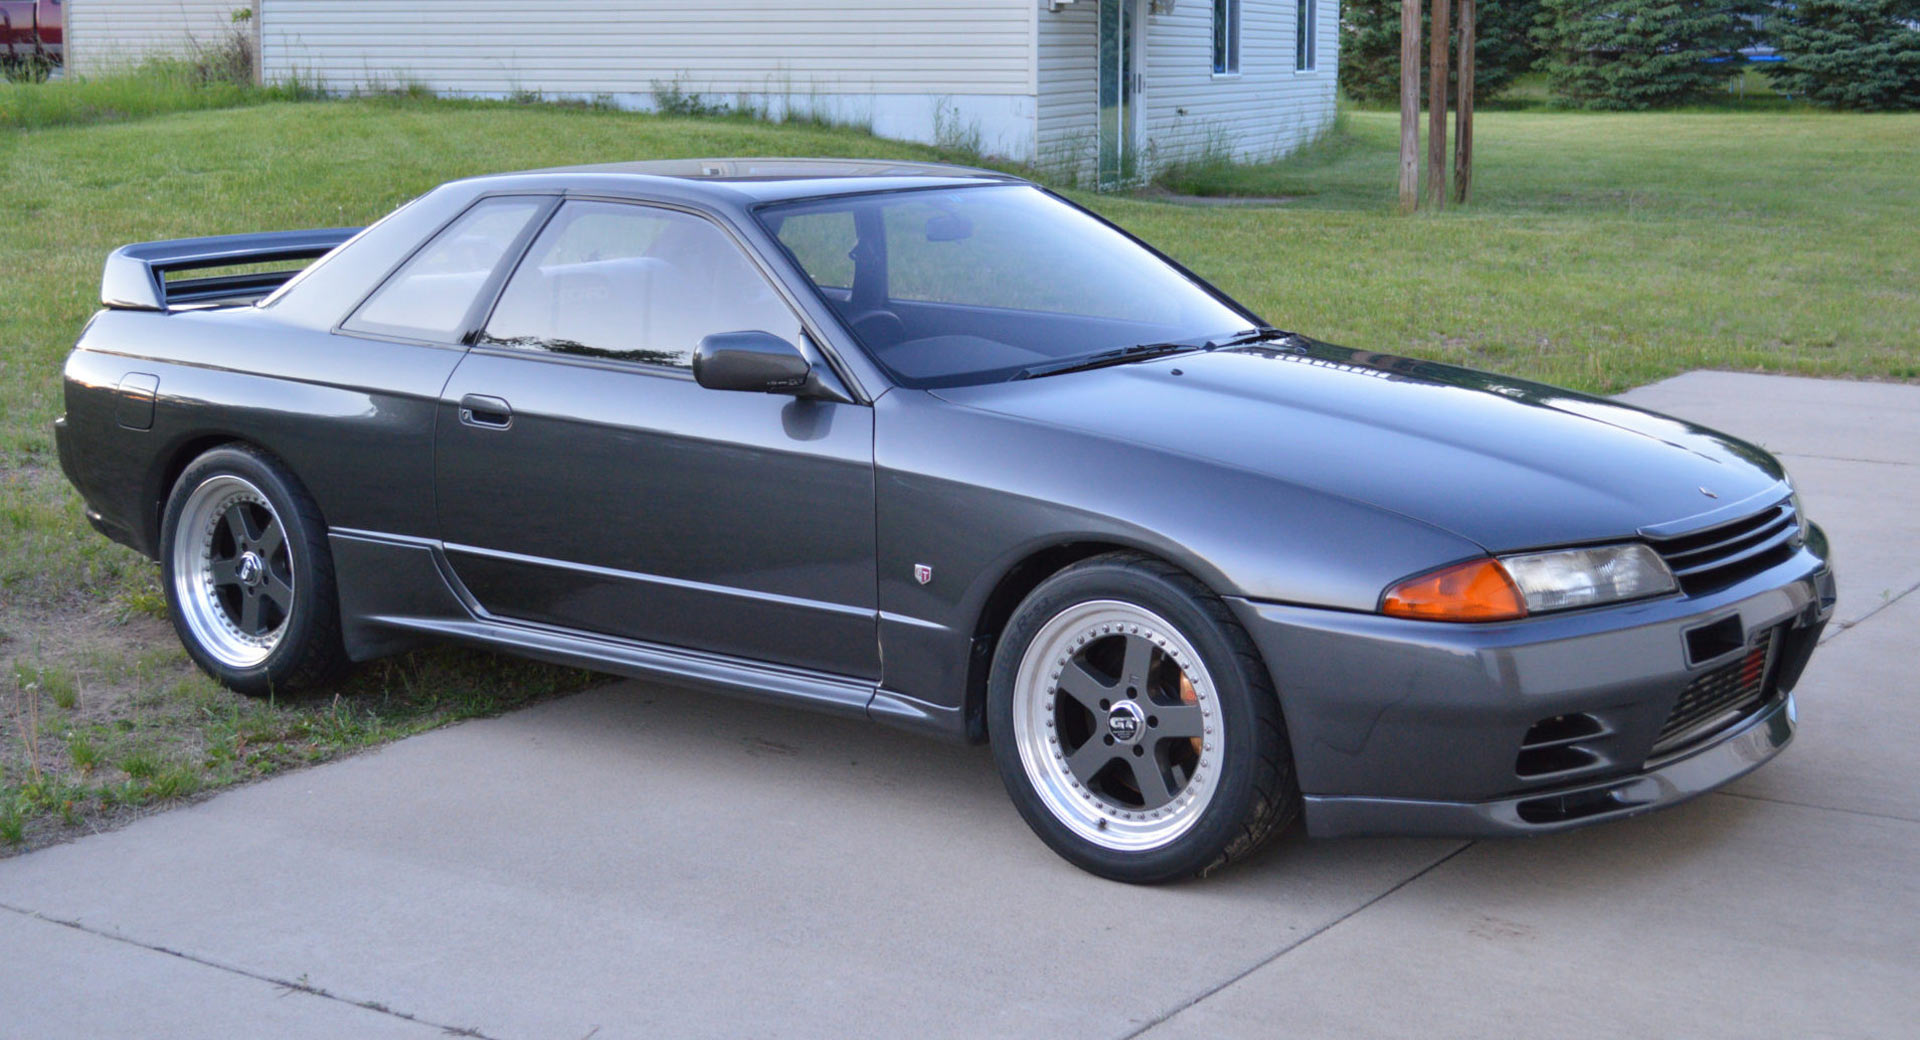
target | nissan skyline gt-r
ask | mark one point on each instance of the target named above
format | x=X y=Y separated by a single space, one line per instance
x=937 y=448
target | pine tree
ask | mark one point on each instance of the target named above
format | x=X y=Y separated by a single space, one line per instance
x=1370 y=47
x=1848 y=53
x=1633 y=54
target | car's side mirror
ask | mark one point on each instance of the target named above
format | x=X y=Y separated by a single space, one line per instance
x=753 y=361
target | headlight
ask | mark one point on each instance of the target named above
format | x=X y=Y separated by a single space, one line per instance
x=1512 y=587
x=1588 y=577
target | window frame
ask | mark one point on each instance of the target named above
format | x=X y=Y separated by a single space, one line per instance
x=489 y=287
x=1306 y=34
x=812 y=345
x=1224 y=49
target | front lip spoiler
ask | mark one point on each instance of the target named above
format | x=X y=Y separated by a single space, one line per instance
x=1671 y=781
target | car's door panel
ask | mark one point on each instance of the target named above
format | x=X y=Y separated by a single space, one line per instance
x=645 y=506
x=586 y=480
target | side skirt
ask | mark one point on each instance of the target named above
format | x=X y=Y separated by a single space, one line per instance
x=397 y=592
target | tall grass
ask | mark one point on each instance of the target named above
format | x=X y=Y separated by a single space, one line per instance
x=155 y=87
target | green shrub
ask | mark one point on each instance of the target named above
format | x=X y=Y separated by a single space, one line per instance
x=1503 y=48
x=1862 y=54
x=1638 y=54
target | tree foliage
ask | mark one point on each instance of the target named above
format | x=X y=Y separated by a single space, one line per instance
x=1370 y=47
x=1848 y=53
x=1635 y=54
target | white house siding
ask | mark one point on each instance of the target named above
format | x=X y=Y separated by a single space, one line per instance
x=1069 y=99
x=912 y=69
x=103 y=35
x=1267 y=111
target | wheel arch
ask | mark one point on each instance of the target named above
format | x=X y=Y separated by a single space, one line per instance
x=175 y=461
x=1015 y=582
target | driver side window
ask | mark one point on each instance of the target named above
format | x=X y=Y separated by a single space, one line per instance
x=635 y=283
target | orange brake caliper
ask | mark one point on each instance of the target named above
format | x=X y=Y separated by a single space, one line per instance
x=1187 y=696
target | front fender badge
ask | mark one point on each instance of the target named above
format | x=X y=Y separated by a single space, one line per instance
x=1708 y=493
x=922 y=573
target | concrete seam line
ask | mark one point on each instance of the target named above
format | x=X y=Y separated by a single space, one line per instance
x=1849 y=626
x=1297 y=943
x=286 y=984
x=1842 y=458
x=1818 y=808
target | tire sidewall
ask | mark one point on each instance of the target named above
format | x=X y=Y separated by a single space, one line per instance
x=1240 y=699
x=310 y=597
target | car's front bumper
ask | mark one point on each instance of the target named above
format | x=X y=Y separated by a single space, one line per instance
x=1726 y=757
x=1416 y=728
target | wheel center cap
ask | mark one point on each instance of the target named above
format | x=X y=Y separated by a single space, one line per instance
x=251 y=571
x=1125 y=722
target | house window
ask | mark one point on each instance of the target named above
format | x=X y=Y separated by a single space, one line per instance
x=1305 y=26
x=1226 y=37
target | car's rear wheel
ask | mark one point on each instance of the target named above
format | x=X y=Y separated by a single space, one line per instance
x=248 y=575
x=1134 y=724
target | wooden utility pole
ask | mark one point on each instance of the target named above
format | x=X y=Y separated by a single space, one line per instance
x=1437 y=106
x=1410 y=104
x=1463 y=117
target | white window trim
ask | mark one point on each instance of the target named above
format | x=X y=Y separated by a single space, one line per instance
x=1236 y=20
x=1313 y=43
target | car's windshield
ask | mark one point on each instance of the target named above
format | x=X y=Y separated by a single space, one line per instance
x=955 y=286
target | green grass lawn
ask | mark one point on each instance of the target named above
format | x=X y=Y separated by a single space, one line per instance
x=1601 y=251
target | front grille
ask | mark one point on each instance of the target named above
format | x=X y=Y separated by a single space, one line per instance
x=1719 y=556
x=1720 y=697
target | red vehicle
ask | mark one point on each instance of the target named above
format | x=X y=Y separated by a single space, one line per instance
x=31 y=33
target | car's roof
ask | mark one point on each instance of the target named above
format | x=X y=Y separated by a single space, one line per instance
x=748 y=181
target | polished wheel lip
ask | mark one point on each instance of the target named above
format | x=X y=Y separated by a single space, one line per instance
x=194 y=584
x=1088 y=814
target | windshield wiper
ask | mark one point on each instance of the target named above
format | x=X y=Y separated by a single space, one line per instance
x=1259 y=334
x=1117 y=356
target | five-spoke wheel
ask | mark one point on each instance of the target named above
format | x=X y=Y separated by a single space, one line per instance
x=248 y=575
x=1134 y=725
x=1117 y=722
x=232 y=570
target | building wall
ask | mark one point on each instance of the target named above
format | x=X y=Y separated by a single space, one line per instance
x=103 y=35
x=1068 y=105
x=1267 y=111
x=913 y=69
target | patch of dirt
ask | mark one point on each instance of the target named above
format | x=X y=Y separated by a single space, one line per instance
x=114 y=665
x=1155 y=193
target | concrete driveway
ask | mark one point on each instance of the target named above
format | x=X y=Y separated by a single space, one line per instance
x=641 y=861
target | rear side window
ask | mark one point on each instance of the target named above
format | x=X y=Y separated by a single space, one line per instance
x=633 y=283
x=429 y=297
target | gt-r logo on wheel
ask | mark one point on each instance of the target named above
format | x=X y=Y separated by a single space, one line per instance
x=922 y=573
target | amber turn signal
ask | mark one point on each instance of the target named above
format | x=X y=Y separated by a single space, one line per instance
x=1478 y=590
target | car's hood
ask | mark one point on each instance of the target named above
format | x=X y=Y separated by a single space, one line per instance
x=1503 y=462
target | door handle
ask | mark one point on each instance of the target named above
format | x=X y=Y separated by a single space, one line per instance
x=488 y=413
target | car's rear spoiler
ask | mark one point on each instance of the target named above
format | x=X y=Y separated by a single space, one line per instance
x=136 y=275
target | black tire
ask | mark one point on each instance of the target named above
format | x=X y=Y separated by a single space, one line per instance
x=1254 y=794
x=303 y=649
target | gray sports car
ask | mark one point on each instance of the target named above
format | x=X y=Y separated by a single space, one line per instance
x=932 y=446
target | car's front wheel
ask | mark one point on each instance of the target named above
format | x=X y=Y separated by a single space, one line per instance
x=1134 y=724
x=248 y=575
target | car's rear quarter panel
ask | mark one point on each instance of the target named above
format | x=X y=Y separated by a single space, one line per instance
x=352 y=418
